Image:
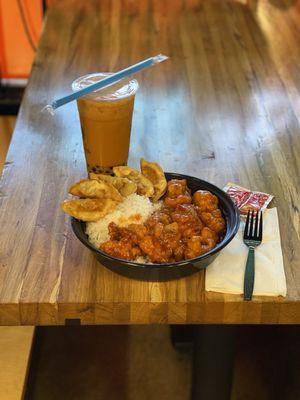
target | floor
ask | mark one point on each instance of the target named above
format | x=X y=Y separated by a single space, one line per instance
x=139 y=362
x=108 y=363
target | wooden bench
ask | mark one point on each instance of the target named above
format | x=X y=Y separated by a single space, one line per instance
x=15 y=350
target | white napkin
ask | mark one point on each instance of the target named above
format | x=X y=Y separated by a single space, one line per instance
x=226 y=273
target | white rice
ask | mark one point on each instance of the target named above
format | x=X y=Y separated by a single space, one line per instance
x=134 y=209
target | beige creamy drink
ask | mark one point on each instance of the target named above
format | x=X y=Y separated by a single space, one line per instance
x=105 y=118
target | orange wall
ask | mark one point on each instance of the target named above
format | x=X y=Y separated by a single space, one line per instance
x=16 y=55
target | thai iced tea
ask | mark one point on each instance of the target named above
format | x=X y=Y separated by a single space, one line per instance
x=105 y=118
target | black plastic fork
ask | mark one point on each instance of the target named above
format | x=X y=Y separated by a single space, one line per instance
x=252 y=238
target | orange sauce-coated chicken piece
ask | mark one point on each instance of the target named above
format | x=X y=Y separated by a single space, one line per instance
x=205 y=201
x=177 y=193
x=208 y=211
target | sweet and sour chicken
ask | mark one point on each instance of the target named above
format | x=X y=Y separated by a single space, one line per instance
x=184 y=227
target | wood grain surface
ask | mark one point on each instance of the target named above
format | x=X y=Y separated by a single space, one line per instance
x=224 y=107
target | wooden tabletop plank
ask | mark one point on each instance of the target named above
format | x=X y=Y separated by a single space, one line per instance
x=224 y=107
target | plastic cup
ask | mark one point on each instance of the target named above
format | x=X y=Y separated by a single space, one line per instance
x=105 y=118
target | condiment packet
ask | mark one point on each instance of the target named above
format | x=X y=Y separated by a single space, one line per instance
x=246 y=200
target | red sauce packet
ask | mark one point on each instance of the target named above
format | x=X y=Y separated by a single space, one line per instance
x=246 y=199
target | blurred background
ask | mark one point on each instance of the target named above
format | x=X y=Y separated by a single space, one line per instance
x=21 y=23
x=20 y=29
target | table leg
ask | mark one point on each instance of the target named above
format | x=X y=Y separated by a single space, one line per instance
x=182 y=337
x=213 y=362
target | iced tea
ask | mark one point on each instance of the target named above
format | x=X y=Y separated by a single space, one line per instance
x=105 y=118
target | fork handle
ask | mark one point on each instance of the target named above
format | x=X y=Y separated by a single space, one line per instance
x=249 y=275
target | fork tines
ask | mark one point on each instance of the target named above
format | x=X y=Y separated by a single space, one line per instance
x=253 y=226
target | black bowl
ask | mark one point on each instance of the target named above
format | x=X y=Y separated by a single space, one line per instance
x=164 y=272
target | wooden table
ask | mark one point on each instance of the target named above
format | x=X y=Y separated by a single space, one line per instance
x=224 y=107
